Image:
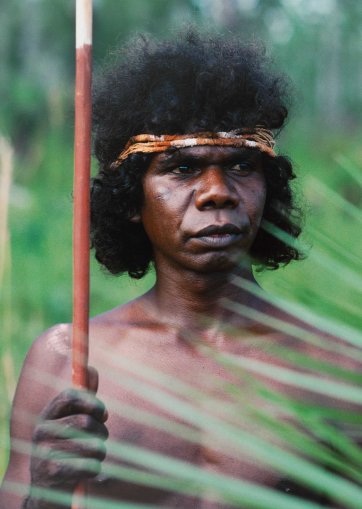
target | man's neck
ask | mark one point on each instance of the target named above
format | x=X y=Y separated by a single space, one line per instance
x=194 y=300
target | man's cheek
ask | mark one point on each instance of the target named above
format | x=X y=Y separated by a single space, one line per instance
x=163 y=193
x=256 y=219
x=163 y=196
x=260 y=200
x=168 y=202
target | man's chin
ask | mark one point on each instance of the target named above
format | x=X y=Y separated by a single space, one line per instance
x=219 y=262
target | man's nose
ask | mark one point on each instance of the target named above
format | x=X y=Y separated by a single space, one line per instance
x=215 y=191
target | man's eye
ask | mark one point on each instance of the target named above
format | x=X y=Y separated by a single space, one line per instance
x=183 y=170
x=242 y=168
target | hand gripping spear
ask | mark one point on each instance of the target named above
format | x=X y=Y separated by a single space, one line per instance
x=82 y=156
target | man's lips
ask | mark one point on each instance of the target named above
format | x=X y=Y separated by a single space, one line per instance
x=225 y=229
x=219 y=236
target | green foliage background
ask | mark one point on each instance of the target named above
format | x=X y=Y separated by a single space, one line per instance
x=319 y=44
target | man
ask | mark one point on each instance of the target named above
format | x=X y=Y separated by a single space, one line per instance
x=188 y=178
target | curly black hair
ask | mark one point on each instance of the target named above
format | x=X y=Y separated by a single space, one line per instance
x=189 y=84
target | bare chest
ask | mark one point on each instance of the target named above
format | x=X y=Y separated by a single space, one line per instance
x=173 y=421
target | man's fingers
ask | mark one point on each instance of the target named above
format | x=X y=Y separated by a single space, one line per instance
x=66 y=471
x=75 y=401
x=92 y=379
x=75 y=426
x=81 y=448
x=76 y=467
x=92 y=448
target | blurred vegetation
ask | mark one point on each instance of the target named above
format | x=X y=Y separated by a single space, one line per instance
x=319 y=44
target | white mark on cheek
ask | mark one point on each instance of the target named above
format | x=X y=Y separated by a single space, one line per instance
x=163 y=194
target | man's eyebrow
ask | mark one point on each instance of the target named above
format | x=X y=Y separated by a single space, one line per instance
x=179 y=156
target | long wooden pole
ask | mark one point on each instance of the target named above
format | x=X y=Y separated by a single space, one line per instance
x=82 y=154
x=82 y=158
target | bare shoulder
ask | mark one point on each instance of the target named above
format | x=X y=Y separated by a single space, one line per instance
x=126 y=322
x=129 y=314
x=319 y=339
x=131 y=331
x=55 y=343
x=48 y=357
x=45 y=372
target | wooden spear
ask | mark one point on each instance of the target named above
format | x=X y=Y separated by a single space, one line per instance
x=82 y=159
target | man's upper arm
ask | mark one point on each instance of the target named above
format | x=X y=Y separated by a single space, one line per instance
x=46 y=371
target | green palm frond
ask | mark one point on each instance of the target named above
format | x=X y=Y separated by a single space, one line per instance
x=314 y=441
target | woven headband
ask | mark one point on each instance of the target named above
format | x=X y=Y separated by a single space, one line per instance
x=259 y=138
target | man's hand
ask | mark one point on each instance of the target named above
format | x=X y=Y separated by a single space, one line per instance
x=68 y=441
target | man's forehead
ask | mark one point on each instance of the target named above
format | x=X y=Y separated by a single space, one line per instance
x=205 y=152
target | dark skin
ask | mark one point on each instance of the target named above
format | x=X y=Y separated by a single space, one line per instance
x=202 y=209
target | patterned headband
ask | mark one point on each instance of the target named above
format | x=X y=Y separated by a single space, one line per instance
x=259 y=138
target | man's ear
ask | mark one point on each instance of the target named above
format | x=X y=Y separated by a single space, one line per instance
x=135 y=218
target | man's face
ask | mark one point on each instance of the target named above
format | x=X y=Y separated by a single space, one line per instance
x=203 y=206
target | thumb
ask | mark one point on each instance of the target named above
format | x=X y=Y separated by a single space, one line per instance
x=92 y=379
